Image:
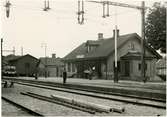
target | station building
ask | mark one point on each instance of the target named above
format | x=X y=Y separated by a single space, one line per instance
x=98 y=56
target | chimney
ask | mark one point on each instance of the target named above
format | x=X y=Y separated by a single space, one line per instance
x=53 y=55
x=100 y=36
x=114 y=33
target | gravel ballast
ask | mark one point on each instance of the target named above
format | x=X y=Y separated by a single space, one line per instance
x=51 y=109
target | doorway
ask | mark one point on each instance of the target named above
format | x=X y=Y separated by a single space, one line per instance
x=127 y=68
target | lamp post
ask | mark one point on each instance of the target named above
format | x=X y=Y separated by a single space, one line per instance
x=45 y=46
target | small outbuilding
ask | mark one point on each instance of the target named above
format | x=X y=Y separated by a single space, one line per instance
x=25 y=65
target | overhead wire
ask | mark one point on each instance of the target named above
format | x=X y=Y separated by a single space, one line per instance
x=35 y=8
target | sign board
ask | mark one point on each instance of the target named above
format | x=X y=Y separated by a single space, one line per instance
x=80 y=56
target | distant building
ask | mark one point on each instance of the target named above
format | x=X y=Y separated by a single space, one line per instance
x=98 y=56
x=25 y=65
x=52 y=66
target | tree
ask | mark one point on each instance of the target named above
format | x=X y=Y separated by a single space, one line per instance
x=156 y=27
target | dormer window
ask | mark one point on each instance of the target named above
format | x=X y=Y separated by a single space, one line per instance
x=91 y=45
x=131 y=46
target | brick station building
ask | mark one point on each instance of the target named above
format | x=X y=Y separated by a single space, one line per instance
x=98 y=56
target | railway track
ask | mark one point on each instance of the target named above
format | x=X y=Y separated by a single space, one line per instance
x=68 y=86
x=24 y=108
x=133 y=100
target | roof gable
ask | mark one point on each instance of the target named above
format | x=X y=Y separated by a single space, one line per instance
x=10 y=57
x=21 y=57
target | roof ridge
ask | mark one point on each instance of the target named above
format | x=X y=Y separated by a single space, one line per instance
x=122 y=35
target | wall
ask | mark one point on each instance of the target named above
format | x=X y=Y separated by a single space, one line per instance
x=20 y=65
x=52 y=71
x=121 y=52
x=72 y=68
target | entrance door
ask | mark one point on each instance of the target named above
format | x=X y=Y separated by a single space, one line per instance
x=127 y=68
x=27 y=69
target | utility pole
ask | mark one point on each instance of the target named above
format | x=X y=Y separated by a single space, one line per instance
x=143 y=72
x=142 y=8
x=115 y=66
x=1 y=57
x=13 y=51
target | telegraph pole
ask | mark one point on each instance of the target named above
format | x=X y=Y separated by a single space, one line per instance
x=1 y=58
x=115 y=66
x=143 y=42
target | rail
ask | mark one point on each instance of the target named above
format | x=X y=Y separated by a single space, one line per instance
x=33 y=112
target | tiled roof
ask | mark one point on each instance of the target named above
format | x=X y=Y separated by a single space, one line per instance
x=19 y=57
x=51 y=61
x=105 y=48
x=11 y=57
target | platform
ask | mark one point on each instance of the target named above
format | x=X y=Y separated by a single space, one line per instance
x=148 y=89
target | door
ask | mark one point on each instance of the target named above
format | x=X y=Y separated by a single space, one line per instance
x=127 y=68
x=27 y=69
x=57 y=71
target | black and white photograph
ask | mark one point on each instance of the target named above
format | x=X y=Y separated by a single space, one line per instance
x=83 y=58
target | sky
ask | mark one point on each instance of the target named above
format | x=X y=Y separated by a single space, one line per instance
x=29 y=26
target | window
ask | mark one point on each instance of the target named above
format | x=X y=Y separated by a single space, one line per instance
x=139 y=66
x=68 y=67
x=145 y=66
x=131 y=46
x=73 y=67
